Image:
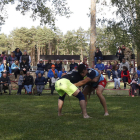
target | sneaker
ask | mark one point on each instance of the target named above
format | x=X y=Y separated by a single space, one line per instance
x=124 y=87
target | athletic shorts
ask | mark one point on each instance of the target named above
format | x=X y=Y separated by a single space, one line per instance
x=63 y=86
x=103 y=83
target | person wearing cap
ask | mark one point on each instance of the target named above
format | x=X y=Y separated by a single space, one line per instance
x=3 y=56
x=73 y=64
x=61 y=73
x=58 y=65
x=18 y=53
x=51 y=73
x=53 y=81
x=40 y=67
x=75 y=68
x=24 y=66
x=26 y=54
x=65 y=65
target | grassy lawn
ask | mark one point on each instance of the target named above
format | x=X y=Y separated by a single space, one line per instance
x=35 y=118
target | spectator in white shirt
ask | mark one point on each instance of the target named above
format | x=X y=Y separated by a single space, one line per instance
x=53 y=81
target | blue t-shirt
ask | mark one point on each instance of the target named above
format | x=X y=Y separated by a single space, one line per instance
x=92 y=74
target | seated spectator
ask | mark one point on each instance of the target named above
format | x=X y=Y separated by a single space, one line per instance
x=75 y=68
x=11 y=59
x=51 y=74
x=116 y=63
x=29 y=59
x=85 y=62
x=28 y=82
x=40 y=67
x=20 y=83
x=135 y=84
x=40 y=83
x=47 y=68
x=65 y=65
x=4 y=57
x=119 y=54
x=15 y=68
x=125 y=76
x=73 y=64
x=18 y=53
x=5 y=83
x=100 y=66
x=108 y=69
x=24 y=66
x=1 y=69
x=61 y=73
x=58 y=65
x=6 y=68
x=124 y=63
x=138 y=71
x=53 y=81
x=98 y=55
x=116 y=74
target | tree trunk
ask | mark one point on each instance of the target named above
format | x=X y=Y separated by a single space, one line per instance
x=93 y=33
x=81 y=54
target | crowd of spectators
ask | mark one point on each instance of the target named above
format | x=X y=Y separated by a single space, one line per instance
x=20 y=65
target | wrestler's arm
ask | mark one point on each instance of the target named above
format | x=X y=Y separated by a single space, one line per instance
x=83 y=82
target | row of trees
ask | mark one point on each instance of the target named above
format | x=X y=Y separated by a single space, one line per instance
x=43 y=41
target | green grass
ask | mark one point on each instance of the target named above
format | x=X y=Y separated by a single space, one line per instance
x=35 y=118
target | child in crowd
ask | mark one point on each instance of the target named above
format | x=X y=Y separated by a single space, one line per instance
x=125 y=76
x=20 y=83
x=135 y=84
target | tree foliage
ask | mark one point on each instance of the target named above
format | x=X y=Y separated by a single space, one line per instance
x=46 y=10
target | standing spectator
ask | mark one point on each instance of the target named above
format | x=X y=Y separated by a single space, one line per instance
x=127 y=53
x=6 y=68
x=61 y=73
x=98 y=55
x=65 y=65
x=11 y=59
x=85 y=62
x=125 y=76
x=58 y=65
x=29 y=59
x=4 y=57
x=1 y=69
x=119 y=54
x=15 y=68
x=116 y=74
x=18 y=53
x=24 y=66
x=5 y=83
x=40 y=82
x=53 y=81
x=73 y=64
x=47 y=68
x=20 y=82
x=28 y=82
x=51 y=74
x=135 y=84
x=124 y=63
x=138 y=71
x=108 y=69
x=40 y=67
x=100 y=66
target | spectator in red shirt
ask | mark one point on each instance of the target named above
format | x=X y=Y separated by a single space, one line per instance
x=125 y=76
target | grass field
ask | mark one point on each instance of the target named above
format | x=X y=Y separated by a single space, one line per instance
x=35 y=118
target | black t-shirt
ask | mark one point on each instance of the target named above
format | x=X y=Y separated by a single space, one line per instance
x=91 y=74
x=74 y=77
